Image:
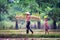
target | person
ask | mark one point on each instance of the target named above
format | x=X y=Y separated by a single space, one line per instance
x=46 y=26
x=28 y=23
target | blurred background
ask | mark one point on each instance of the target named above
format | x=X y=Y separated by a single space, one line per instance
x=49 y=9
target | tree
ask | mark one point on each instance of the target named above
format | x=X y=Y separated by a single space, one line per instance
x=55 y=15
x=16 y=26
x=3 y=9
x=3 y=6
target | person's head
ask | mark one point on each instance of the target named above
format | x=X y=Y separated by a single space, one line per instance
x=27 y=13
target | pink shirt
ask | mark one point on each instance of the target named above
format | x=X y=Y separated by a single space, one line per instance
x=27 y=17
x=46 y=25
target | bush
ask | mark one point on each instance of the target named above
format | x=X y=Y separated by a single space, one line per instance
x=6 y=25
x=29 y=36
x=58 y=25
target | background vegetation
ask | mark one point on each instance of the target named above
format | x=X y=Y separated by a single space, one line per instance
x=10 y=8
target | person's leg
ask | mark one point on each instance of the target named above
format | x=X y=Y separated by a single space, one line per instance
x=27 y=26
x=27 y=31
x=47 y=31
x=31 y=31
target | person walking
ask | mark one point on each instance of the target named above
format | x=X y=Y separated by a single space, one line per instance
x=46 y=26
x=28 y=23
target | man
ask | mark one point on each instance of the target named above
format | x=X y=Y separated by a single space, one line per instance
x=28 y=23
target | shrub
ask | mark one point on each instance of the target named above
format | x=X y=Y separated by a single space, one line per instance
x=6 y=25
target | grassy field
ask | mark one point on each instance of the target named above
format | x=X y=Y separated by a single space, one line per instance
x=22 y=34
x=29 y=36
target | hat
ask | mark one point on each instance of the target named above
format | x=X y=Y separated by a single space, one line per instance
x=46 y=16
x=27 y=13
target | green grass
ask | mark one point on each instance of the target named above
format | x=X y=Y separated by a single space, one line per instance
x=29 y=36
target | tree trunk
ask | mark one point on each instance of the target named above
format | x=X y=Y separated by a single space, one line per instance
x=54 y=24
x=16 y=24
x=38 y=23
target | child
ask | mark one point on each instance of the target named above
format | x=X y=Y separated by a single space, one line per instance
x=46 y=26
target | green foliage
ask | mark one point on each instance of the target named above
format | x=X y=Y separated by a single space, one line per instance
x=58 y=24
x=7 y=25
x=55 y=13
x=3 y=1
x=29 y=36
x=43 y=7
